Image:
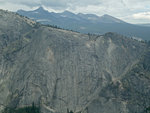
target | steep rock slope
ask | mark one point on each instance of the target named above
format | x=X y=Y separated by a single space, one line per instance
x=131 y=91
x=61 y=70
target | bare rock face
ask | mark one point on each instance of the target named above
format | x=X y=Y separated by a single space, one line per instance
x=60 y=70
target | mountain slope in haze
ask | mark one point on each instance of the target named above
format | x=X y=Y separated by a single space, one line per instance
x=41 y=13
x=146 y=25
x=59 y=70
x=87 y=23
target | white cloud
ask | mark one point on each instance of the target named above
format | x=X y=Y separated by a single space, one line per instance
x=14 y=7
x=143 y=15
x=124 y=9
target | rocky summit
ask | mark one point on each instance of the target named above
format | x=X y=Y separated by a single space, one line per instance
x=62 y=71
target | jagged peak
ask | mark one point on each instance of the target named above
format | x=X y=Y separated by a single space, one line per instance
x=41 y=9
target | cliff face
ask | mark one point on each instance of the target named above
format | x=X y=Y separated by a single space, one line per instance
x=60 y=70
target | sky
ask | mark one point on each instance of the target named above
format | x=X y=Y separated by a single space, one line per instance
x=132 y=11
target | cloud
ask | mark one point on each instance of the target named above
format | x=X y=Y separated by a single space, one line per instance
x=118 y=8
x=13 y=7
x=143 y=15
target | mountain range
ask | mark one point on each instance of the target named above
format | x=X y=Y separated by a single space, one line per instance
x=88 y=23
x=61 y=71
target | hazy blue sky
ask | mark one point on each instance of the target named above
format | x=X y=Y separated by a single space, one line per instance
x=133 y=11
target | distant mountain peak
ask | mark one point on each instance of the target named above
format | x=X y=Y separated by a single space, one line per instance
x=41 y=9
x=67 y=12
x=110 y=19
x=106 y=15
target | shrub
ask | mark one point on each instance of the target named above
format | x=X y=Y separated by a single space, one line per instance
x=29 y=109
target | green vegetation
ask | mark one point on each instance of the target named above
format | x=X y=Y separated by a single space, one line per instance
x=57 y=27
x=29 y=109
x=68 y=111
x=148 y=110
